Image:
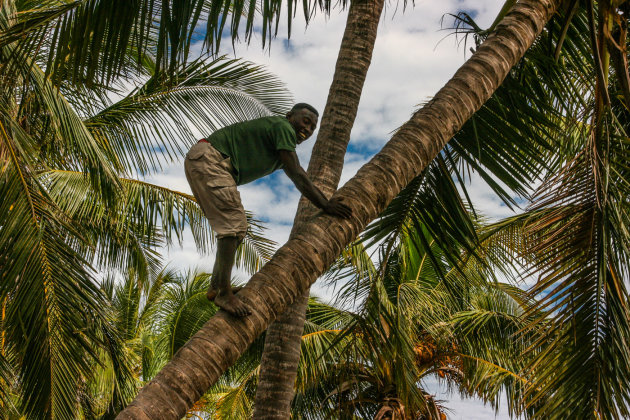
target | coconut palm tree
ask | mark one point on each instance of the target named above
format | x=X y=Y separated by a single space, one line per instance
x=297 y=264
x=63 y=23
x=284 y=336
x=413 y=327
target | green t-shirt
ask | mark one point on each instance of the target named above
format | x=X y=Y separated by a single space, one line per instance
x=252 y=146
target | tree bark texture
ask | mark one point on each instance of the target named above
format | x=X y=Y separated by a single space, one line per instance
x=298 y=263
x=283 y=342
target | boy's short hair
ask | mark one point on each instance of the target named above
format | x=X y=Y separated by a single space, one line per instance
x=303 y=105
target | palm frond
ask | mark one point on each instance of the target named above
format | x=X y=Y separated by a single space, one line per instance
x=184 y=310
x=52 y=129
x=90 y=41
x=432 y=208
x=237 y=403
x=580 y=270
x=54 y=307
x=159 y=120
x=125 y=235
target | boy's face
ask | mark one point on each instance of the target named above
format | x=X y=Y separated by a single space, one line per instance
x=303 y=122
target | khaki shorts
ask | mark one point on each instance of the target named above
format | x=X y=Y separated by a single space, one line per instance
x=210 y=177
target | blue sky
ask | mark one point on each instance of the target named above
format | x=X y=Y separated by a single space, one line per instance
x=412 y=60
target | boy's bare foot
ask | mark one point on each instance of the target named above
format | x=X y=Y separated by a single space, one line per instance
x=232 y=304
x=212 y=293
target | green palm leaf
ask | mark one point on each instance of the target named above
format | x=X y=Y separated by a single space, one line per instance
x=54 y=308
x=65 y=141
x=575 y=234
x=149 y=125
x=90 y=41
x=124 y=235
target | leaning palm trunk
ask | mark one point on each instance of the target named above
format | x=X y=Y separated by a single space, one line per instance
x=284 y=337
x=297 y=264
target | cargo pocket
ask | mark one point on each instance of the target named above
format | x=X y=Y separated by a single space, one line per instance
x=217 y=177
x=207 y=164
x=227 y=198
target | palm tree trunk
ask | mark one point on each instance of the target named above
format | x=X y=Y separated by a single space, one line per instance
x=280 y=358
x=297 y=264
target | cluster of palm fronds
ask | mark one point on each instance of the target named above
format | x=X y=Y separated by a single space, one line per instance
x=574 y=239
x=86 y=106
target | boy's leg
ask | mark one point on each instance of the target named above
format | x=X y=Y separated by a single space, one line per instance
x=220 y=285
x=212 y=184
x=212 y=292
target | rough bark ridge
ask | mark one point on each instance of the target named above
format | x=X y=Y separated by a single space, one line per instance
x=283 y=341
x=200 y=362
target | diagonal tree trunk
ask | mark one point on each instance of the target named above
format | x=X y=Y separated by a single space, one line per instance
x=200 y=362
x=284 y=337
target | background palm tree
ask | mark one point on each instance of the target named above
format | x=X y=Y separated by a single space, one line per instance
x=573 y=238
x=132 y=304
x=154 y=318
x=75 y=135
x=284 y=336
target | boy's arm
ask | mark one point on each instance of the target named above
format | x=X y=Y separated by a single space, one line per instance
x=302 y=182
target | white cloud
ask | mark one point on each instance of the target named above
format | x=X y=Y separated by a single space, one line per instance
x=186 y=256
x=463 y=408
x=172 y=177
x=486 y=201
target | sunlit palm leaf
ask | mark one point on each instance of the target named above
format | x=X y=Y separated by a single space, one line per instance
x=66 y=142
x=237 y=403
x=7 y=381
x=159 y=120
x=145 y=214
x=54 y=308
x=184 y=310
